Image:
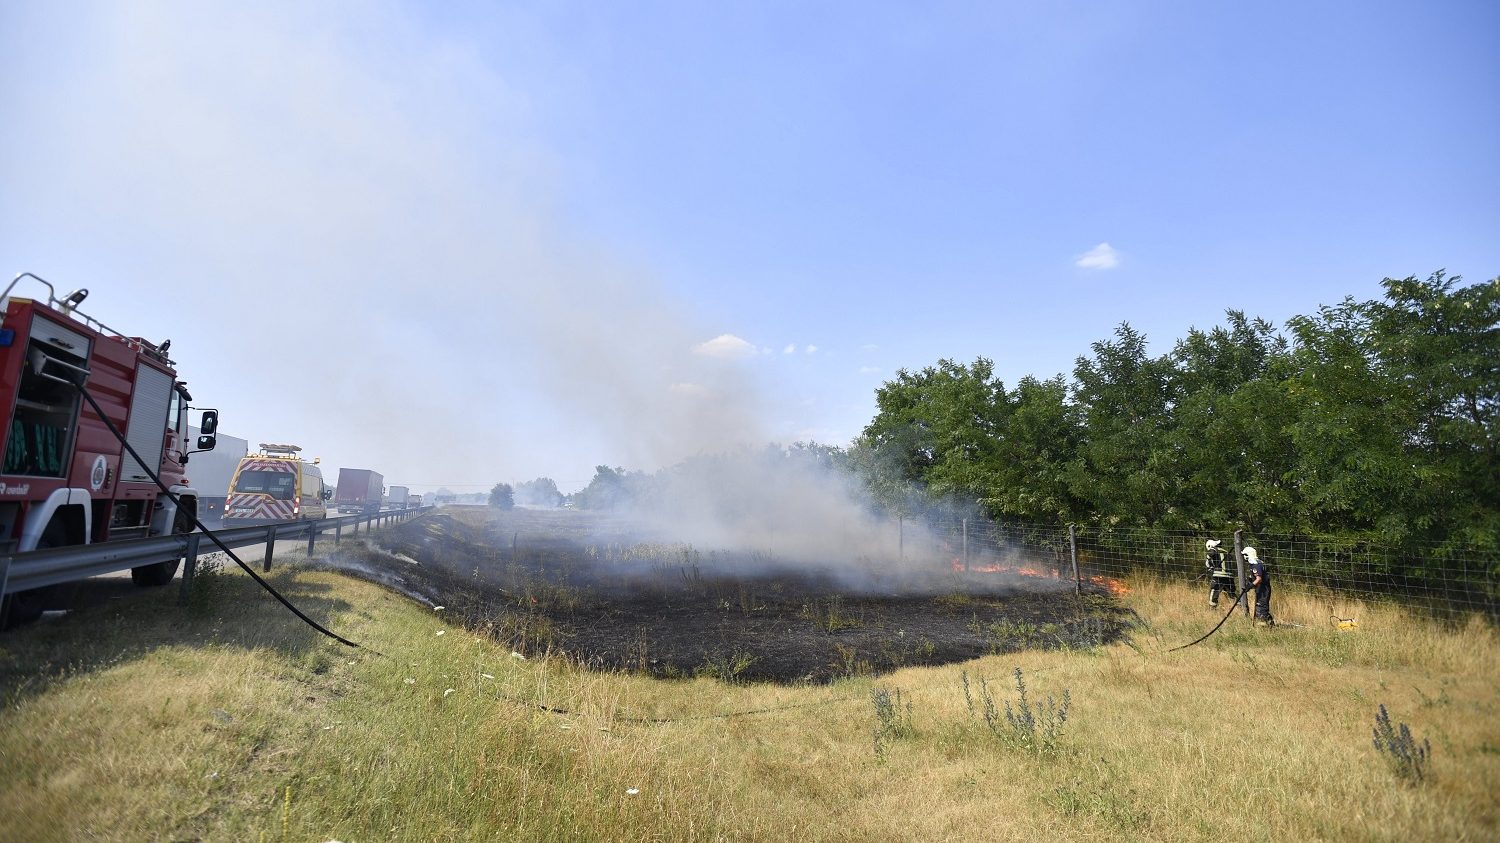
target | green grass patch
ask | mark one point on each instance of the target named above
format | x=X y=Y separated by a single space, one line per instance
x=230 y=720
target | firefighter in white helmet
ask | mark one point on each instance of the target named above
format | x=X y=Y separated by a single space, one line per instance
x=1259 y=579
x=1220 y=572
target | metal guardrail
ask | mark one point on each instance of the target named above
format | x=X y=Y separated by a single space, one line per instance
x=40 y=568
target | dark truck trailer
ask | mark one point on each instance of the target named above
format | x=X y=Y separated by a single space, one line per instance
x=360 y=491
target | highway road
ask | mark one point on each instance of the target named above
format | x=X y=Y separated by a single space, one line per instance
x=97 y=591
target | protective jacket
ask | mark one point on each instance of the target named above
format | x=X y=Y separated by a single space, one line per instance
x=1218 y=565
x=1220 y=575
x=1256 y=571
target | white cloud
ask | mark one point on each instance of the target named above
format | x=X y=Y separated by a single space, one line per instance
x=811 y=349
x=869 y=370
x=693 y=389
x=725 y=346
x=1102 y=256
x=869 y=346
x=791 y=348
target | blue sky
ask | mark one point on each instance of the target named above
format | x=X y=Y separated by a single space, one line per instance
x=541 y=212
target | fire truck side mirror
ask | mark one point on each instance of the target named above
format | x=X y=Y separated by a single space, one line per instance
x=209 y=425
x=207 y=443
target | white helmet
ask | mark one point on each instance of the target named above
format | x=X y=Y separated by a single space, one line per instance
x=1251 y=554
x=1212 y=543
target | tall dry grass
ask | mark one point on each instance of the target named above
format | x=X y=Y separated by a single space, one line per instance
x=143 y=721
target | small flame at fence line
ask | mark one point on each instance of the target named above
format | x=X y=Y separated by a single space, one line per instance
x=1116 y=587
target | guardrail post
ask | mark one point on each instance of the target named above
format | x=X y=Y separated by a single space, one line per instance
x=270 y=549
x=1073 y=554
x=338 y=532
x=190 y=567
x=312 y=537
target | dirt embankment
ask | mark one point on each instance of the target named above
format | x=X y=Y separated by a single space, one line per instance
x=612 y=599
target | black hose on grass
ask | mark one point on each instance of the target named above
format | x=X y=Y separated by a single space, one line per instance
x=1232 y=607
x=99 y=411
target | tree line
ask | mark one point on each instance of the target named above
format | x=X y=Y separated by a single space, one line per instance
x=1368 y=419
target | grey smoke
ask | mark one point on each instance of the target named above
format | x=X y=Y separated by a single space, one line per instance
x=356 y=243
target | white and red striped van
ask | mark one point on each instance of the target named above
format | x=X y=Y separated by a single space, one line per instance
x=275 y=485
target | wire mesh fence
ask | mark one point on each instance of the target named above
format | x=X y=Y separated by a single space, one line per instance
x=1437 y=578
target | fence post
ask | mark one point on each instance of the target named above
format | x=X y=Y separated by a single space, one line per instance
x=1073 y=554
x=1239 y=570
x=513 y=537
x=270 y=549
x=190 y=567
x=966 y=545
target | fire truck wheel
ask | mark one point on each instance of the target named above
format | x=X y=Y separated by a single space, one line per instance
x=22 y=608
x=161 y=573
x=27 y=606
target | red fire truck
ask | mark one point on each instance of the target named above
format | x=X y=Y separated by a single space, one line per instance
x=65 y=478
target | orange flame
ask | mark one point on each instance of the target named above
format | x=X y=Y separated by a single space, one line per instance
x=1114 y=586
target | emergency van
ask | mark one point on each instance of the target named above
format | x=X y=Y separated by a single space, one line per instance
x=275 y=485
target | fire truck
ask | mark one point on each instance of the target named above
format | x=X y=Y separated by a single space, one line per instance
x=66 y=479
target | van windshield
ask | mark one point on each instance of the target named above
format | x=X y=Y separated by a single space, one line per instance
x=280 y=485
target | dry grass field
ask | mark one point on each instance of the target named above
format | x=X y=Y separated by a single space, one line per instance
x=229 y=720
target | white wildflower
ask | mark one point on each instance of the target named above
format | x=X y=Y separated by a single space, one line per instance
x=410 y=681
x=442 y=632
x=631 y=791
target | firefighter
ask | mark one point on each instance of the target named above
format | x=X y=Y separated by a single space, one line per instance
x=1260 y=580
x=1220 y=574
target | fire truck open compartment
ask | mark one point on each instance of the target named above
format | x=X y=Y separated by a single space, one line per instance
x=46 y=409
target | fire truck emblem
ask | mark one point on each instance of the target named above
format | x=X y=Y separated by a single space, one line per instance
x=97 y=475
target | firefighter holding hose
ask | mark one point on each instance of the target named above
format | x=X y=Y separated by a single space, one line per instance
x=1259 y=580
x=1220 y=572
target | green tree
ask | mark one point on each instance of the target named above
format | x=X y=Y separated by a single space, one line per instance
x=1029 y=478
x=502 y=496
x=936 y=430
x=1352 y=470
x=610 y=489
x=1438 y=344
x=539 y=492
x=1229 y=436
x=1377 y=420
x=1125 y=470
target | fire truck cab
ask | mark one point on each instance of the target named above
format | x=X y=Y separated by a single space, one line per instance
x=66 y=478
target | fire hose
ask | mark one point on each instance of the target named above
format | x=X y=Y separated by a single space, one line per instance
x=99 y=411
x=1232 y=607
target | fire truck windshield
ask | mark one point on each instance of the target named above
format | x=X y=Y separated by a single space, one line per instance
x=280 y=485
